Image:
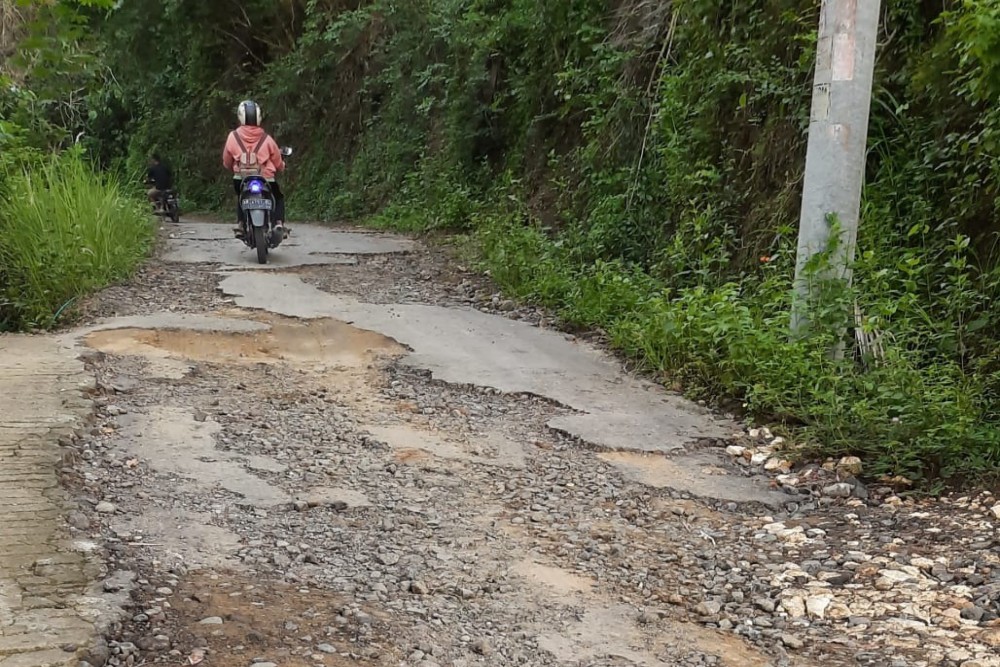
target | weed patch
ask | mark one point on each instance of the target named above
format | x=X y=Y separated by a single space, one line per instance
x=65 y=230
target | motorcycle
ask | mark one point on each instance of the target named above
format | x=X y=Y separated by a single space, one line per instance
x=167 y=206
x=257 y=203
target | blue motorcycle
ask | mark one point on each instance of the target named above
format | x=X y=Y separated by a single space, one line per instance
x=257 y=202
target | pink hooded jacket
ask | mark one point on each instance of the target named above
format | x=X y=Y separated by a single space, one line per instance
x=269 y=155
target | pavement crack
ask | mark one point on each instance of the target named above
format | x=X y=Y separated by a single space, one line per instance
x=385 y=462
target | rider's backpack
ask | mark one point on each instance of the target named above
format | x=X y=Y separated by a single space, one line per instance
x=248 y=163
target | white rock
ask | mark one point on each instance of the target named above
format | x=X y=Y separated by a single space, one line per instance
x=795 y=535
x=758 y=458
x=818 y=604
x=777 y=463
x=794 y=606
x=906 y=626
x=995 y=510
x=105 y=508
x=735 y=450
x=850 y=465
x=990 y=637
x=839 y=490
x=896 y=576
x=839 y=611
x=388 y=558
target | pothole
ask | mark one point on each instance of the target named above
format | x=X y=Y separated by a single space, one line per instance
x=696 y=473
x=183 y=537
x=318 y=344
x=610 y=631
x=563 y=585
x=173 y=441
x=416 y=446
x=615 y=631
x=229 y=620
x=655 y=470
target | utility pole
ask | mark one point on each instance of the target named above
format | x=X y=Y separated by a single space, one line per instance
x=838 y=134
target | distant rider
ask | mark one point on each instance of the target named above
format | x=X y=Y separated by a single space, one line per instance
x=250 y=150
x=159 y=178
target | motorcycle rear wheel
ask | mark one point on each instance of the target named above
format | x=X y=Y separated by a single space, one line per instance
x=260 y=241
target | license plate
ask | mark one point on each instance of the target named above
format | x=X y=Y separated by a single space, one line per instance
x=257 y=204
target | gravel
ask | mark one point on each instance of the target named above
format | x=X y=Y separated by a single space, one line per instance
x=452 y=560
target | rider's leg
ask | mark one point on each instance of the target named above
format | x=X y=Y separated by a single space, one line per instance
x=240 y=228
x=279 y=203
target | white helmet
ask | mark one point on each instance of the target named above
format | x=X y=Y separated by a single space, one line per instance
x=250 y=113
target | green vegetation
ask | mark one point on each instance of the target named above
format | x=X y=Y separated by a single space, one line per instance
x=636 y=166
x=66 y=229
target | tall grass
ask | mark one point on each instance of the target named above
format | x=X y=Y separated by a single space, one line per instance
x=65 y=230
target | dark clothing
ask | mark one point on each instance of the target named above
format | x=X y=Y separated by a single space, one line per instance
x=279 y=201
x=160 y=176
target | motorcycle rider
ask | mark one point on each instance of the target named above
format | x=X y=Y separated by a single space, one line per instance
x=159 y=178
x=250 y=150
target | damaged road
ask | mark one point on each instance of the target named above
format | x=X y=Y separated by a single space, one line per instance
x=362 y=456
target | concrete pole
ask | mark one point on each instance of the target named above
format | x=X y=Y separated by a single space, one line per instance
x=838 y=134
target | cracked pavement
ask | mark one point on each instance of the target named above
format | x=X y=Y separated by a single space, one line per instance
x=362 y=455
